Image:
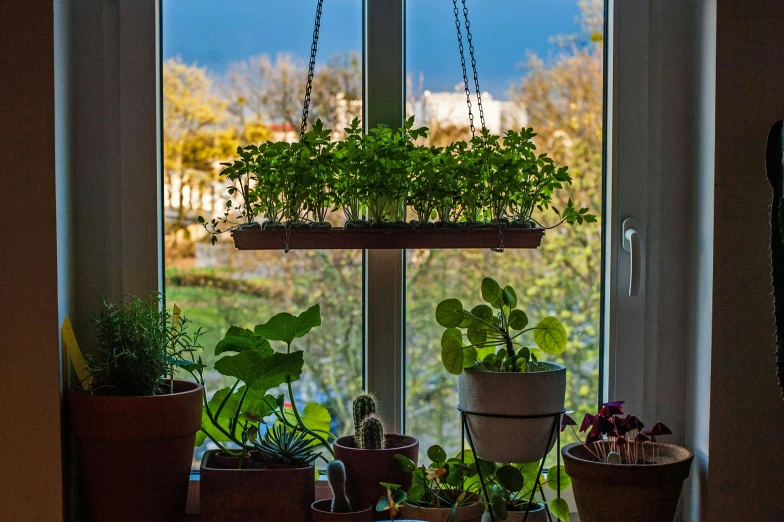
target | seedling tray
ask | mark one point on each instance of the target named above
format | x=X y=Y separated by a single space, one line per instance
x=338 y=238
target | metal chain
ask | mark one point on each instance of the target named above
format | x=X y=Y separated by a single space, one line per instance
x=311 y=68
x=463 y=64
x=500 y=247
x=473 y=66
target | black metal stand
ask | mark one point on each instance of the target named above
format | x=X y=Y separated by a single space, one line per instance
x=554 y=432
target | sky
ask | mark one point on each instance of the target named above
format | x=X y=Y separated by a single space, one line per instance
x=214 y=33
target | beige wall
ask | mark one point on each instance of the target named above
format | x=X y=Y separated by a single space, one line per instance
x=746 y=471
x=30 y=473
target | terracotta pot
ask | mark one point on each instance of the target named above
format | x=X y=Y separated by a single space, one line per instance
x=470 y=511
x=498 y=393
x=229 y=462
x=537 y=514
x=643 y=493
x=135 y=453
x=239 y=495
x=366 y=468
x=321 y=511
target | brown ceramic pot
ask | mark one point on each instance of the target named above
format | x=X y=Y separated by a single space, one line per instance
x=239 y=495
x=135 y=453
x=365 y=468
x=647 y=493
x=535 y=514
x=471 y=511
x=321 y=511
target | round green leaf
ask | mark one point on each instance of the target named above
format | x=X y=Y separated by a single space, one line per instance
x=436 y=454
x=477 y=335
x=510 y=297
x=560 y=509
x=452 y=333
x=469 y=357
x=491 y=292
x=550 y=335
x=517 y=320
x=499 y=506
x=449 y=313
x=406 y=464
x=552 y=478
x=416 y=492
x=510 y=478
x=452 y=356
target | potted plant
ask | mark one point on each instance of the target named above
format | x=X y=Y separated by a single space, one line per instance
x=511 y=381
x=369 y=454
x=620 y=461
x=279 y=482
x=513 y=496
x=134 y=424
x=437 y=492
x=339 y=507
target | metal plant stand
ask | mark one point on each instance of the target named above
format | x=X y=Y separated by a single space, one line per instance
x=554 y=432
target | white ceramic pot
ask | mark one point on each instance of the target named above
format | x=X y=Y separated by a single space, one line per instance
x=538 y=514
x=512 y=440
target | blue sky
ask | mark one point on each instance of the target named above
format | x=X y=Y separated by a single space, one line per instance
x=217 y=32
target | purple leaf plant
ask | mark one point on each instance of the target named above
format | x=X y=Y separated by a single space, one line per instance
x=610 y=432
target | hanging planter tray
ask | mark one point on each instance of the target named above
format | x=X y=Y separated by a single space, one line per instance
x=390 y=238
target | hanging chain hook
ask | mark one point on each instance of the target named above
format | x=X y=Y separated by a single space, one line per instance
x=463 y=65
x=500 y=247
x=311 y=69
x=470 y=39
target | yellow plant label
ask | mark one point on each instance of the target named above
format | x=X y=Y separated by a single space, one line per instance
x=77 y=359
x=176 y=318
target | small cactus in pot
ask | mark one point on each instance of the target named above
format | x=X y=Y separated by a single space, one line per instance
x=336 y=475
x=372 y=434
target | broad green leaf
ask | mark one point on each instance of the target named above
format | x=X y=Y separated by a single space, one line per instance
x=406 y=464
x=452 y=333
x=241 y=339
x=499 y=506
x=491 y=292
x=529 y=471
x=436 y=454
x=560 y=509
x=449 y=313
x=416 y=492
x=262 y=372
x=452 y=356
x=482 y=311
x=315 y=417
x=469 y=357
x=286 y=327
x=518 y=320
x=398 y=497
x=477 y=335
x=254 y=403
x=550 y=335
x=510 y=478
x=552 y=478
x=510 y=297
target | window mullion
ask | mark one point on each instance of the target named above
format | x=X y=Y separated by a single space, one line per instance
x=384 y=274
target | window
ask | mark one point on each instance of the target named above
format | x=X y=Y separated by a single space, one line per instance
x=233 y=73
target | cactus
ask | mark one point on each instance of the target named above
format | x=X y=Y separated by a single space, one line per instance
x=336 y=475
x=372 y=434
x=364 y=407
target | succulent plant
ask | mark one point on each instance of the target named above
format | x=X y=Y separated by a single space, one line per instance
x=336 y=475
x=288 y=447
x=364 y=407
x=372 y=434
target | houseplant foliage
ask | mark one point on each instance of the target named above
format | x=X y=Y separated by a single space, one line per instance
x=491 y=180
x=369 y=455
x=235 y=417
x=484 y=347
x=137 y=470
x=437 y=492
x=511 y=487
x=620 y=459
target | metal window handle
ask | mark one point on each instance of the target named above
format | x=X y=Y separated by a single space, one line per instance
x=631 y=243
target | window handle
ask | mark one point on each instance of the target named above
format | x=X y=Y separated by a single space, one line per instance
x=631 y=243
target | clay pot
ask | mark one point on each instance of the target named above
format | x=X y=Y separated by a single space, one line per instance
x=135 y=453
x=471 y=511
x=365 y=468
x=499 y=393
x=535 y=514
x=321 y=511
x=229 y=462
x=648 y=493
x=239 y=495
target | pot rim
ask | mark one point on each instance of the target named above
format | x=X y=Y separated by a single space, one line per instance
x=566 y=452
x=327 y=501
x=411 y=441
x=209 y=453
x=475 y=497
x=192 y=387
x=553 y=368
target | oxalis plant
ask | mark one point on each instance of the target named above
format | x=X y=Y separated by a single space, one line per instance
x=488 y=337
x=237 y=413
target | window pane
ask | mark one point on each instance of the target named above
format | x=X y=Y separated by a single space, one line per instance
x=234 y=74
x=540 y=65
